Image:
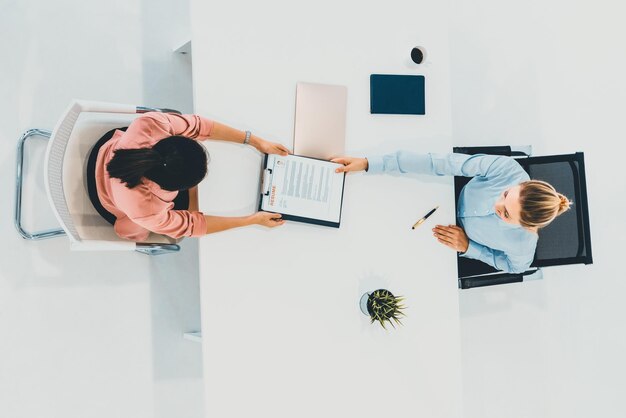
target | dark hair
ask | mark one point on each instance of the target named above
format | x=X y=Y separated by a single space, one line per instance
x=174 y=163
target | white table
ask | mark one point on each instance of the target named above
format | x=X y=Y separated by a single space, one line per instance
x=282 y=332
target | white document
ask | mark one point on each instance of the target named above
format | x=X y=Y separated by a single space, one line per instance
x=302 y=188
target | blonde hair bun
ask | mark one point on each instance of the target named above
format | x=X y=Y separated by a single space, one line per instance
x=564 y=204
x=540 y=203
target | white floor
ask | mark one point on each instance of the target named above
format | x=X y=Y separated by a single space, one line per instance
x=91 y=334
x=99 y=335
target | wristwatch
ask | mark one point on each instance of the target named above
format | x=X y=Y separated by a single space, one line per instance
x=247 y=140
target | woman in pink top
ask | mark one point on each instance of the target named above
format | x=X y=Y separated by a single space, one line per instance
x=139 y=173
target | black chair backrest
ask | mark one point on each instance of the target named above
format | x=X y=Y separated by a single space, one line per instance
x=567 y=239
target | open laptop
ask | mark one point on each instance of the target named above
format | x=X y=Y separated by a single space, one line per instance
x=320 y=122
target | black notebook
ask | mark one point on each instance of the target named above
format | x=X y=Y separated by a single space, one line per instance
x=397 y=94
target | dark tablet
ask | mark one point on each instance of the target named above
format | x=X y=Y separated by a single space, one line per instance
x=397 y=94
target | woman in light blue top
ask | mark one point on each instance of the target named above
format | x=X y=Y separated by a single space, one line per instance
x=500 y=209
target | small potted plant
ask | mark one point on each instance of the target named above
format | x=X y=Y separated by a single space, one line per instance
x=382 y=306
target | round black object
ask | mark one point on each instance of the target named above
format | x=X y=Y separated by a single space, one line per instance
x=417 y=55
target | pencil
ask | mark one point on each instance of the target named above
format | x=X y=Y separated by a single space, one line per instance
x=421 y=221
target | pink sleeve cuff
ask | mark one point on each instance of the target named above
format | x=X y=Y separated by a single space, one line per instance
x=199 y=224
x=206 y=126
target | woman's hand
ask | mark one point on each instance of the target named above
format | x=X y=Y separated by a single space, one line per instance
x=267 y=219
x=452 y=236
x=350 y=164
x=267 y=147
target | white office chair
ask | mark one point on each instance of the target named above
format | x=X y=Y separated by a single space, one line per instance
x=69 y=145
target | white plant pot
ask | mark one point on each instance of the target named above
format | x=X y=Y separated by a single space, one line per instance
x=363 y=303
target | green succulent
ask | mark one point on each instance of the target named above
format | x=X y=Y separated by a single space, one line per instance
x=383 y=307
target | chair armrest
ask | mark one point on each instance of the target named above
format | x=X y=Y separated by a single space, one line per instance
x=106 y=107
x=101 y=107
x=144 y=109
x=499 y=278
x=489 y=280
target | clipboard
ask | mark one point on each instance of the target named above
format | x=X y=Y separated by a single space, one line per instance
x=302 y=189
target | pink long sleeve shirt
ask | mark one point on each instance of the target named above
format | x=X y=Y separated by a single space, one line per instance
x=148 y=208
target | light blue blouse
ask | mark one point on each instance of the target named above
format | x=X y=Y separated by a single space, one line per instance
x=506 y=247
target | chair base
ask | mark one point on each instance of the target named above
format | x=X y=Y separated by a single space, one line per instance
x=37 y=235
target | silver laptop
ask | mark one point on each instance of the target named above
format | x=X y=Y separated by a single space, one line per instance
x=320 y=122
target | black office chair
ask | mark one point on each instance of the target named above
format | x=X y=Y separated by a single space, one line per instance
x=567 y=240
